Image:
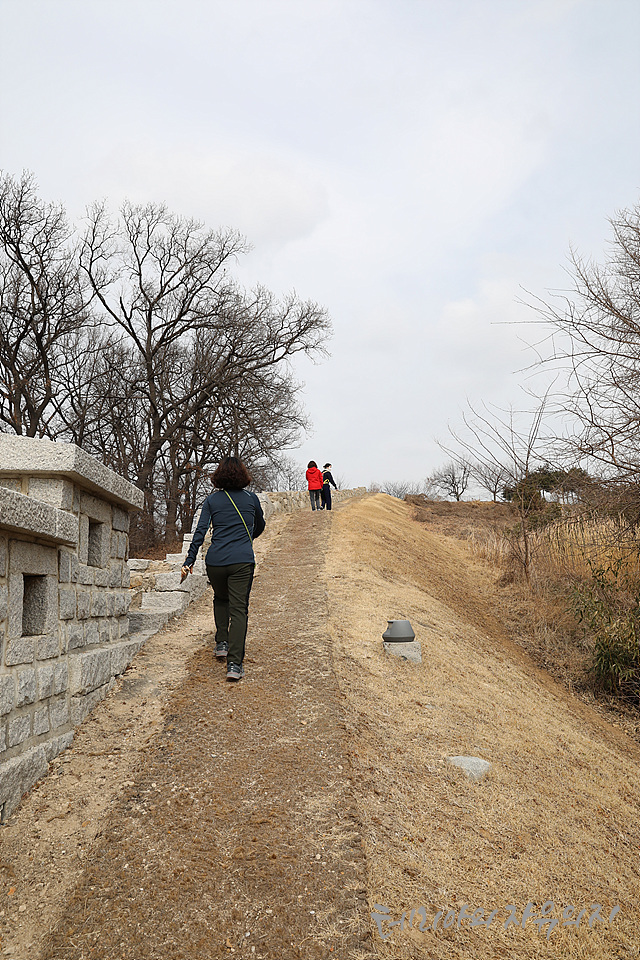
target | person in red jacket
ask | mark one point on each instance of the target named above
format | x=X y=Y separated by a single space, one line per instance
x=314 y=480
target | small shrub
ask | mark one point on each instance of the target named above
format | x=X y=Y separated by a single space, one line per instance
x=608 y=607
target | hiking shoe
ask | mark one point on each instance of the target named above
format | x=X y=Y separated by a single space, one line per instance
x=221 y=650
x=234 y=671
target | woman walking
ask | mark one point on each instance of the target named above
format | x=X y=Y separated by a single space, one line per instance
x=236 y=519
x=314 y=480
x=327 y=478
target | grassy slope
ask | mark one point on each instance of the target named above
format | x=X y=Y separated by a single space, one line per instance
x=556 y=818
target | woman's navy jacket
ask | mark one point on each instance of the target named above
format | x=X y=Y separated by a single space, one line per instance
x=230 y=542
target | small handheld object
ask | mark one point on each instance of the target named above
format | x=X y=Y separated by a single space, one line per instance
x=184 y=573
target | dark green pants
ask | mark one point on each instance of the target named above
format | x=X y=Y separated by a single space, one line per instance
x=231 y=588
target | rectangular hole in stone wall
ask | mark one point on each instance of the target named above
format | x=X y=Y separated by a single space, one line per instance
x=94 y=556
x=34 y=605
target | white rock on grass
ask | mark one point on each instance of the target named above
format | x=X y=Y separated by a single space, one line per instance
x=411 y=651
x=474 y=767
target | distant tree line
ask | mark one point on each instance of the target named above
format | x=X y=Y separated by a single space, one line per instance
x=131 y=338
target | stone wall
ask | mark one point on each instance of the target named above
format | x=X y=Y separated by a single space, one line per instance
x=64 y=600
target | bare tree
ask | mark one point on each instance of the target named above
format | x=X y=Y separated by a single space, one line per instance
x=283 y=473
x=452 y=479
x=510 y=445
x=596 y=335
x=491 y=477
x=193 y=340
x=43 y=306
x=397 y=488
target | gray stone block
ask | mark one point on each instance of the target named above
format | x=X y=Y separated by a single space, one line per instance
x=95 y=508
x=118 y=604
x=25 y=455
x=3 y=556
x=20 y=650
x=123 y=626
x=66 y=527
x=75 y=636
x=7 y=694
x=91 y=632
x=119 y=545
x=26 y=687
x=147 y=621
x=86 y=575
x=80 y=706
x=67 y=566
x=4 y=601
x=171 y=581
x=474 y=767
x=412 y=651
x=174 y=603
x=59 y=712
x=47 y=647
x=67 y=603
x=34 y=559
x=122 y=654
x=11 y=484
x=18 y=729
x=60 y=677
x=88 y=671
x=40 y=721
x=53 y=490
x=138 y=565
x=104 y=630
x=19 y=774
x=198 y=585
x=3 y=736
x=26 y=515
x=45 y=673
x=177 y=558
x=125 y=579
x=83 y=540
x=98 y=604
x=120 y=520
x=83 y=604
x=55 y=745
x=115 y=573
x=101 y=577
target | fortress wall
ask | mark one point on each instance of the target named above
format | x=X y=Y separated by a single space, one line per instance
x=64 y=600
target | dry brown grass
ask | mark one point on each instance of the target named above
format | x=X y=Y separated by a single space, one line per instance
x=556 y=818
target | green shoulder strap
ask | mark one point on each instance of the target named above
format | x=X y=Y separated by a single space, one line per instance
x=240 y=515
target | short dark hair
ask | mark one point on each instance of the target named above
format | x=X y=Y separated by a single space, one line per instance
x=231 y=474
x=312 y=463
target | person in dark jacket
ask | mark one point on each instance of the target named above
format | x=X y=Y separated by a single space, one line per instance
x=236 y=519
x=327 y=480
x=314 y=481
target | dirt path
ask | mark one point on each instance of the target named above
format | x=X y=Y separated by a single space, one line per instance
x=235 y=831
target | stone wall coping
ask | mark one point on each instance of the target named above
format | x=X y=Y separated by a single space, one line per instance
x=21 y=514
x=24 y=456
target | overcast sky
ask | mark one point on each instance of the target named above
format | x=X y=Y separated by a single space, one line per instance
x=409 y=164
